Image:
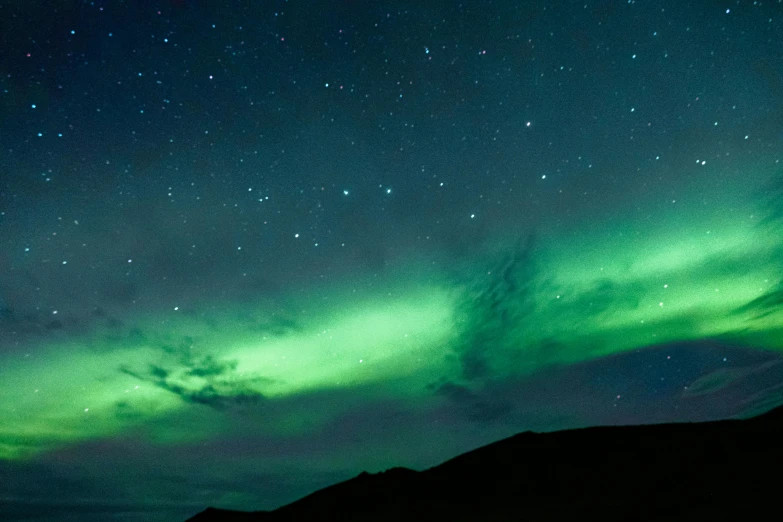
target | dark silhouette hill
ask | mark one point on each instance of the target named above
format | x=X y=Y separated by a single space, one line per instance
x=720 y=470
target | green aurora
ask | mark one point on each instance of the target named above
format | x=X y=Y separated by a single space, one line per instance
x=524 y=305
x=249 y=250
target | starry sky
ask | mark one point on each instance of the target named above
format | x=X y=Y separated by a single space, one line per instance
x=250 y=249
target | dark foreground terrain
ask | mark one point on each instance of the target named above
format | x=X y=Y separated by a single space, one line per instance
x=724 y=470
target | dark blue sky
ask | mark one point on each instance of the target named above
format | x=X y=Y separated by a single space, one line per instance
x=248 y=249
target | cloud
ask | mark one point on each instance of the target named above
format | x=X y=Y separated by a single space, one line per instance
x=767 y=304
x=476 y=406
x=118 y=292
x=724 y=377
x=205 y=380
x=607 y=295
x=32 y=323
x=713 y=382
x=217 y=390
x=493 y=310
x=763 y=401
x=275 y=325
x=505 y=325
x=210 y=367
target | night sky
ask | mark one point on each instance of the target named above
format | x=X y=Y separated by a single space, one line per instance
x=250 y=249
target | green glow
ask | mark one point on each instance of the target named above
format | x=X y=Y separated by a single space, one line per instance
x=72 y=392
x=568 y=297
x=377 y=343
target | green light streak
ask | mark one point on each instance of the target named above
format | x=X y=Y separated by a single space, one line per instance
x=373 y=345
x=567 y=299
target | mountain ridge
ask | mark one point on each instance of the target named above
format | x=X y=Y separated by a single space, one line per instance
x=715 y=470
